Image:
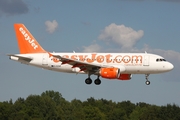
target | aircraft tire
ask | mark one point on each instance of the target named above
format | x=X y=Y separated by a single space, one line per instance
x=147 y=82
x=97 y=81
x=88 y=81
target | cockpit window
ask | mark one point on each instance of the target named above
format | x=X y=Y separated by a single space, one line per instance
x=160 y=59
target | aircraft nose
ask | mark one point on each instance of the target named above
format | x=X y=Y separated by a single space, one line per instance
x=170 y=66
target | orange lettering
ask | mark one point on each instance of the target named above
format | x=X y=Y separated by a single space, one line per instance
x=136 y=58
x=118 y=59
x=92 y=58
x=126 y=59
x=100 y=59
x=74 y=57
x=82 y=58
x=56 y=60
x=108 y=58
x=66 y=56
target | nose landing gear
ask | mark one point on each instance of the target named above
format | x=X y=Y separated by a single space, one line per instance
x=147 y=80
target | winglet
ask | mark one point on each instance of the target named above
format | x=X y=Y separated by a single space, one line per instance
x=26 y=42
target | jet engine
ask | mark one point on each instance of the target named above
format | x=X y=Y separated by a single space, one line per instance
x=113 y=73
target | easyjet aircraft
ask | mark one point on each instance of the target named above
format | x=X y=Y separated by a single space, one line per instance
x=119 y=66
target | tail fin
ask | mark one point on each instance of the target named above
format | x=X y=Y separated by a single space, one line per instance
x=26 y=42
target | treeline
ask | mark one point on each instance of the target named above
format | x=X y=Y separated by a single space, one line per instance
x=50 y=105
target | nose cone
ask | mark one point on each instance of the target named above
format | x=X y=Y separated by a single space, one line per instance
x=170 y=66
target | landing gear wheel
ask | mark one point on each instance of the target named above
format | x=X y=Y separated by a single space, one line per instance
x=88 y=81
x=147 y=82
x=97 y=81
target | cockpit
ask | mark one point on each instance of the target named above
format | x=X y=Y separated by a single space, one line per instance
x=160 y=59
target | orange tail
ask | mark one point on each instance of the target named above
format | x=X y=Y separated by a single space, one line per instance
x=26 y=42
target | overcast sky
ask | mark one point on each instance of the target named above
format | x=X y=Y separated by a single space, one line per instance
x=92 y=26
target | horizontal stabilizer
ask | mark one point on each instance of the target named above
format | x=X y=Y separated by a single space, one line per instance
x=19 y=58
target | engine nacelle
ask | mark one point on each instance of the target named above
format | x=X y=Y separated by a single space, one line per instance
x=114 y=73
x=125 y=77
x=110 y=73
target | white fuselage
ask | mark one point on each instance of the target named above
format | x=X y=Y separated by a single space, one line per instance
x=118 y=66
x=130 y=63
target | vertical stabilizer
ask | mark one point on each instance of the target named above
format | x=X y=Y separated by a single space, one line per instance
x=26 y=42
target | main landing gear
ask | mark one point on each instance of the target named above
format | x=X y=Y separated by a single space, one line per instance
x=96 y=81
x=88 y=81
x=147 y=81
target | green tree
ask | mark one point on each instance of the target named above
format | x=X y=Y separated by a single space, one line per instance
x=40 y=107
x=77 y=109
x=149 y=113
x=93 y=113
x=5 y=110
x=51 y=105
x=55 y=96
x=18 y=109
x=117 y=114
x=169 y=112
x=127 y=106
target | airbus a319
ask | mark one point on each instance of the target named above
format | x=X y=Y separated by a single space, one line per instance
x=112 y=66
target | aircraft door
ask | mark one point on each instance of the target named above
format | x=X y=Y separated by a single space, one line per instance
x=45 y=59
x=146 y=60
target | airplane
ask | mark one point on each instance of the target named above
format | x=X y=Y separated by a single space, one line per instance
x=112 y=66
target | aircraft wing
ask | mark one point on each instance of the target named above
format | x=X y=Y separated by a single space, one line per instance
x=20 y=58
x=84 y=66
